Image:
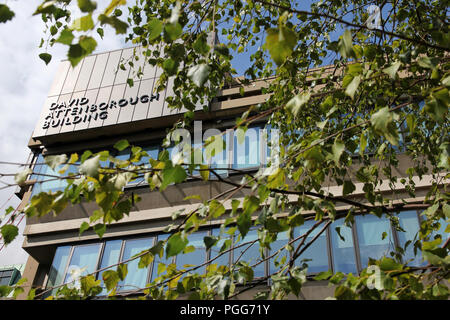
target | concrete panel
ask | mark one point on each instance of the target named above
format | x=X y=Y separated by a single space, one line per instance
x=39 y=130
x=138 y=64
x=122 y=75
x=149 y=70
x=155 y=108
x=166 y=110
x=85 y=73
x=98 y=71
x=131 y=96
x=113 y=113
x=92 y=114
x=75 y=111
x=141 y=108
x=102 y=103
x=58 y=115
x=111 y=68
x=72 y=77
x=59 y=79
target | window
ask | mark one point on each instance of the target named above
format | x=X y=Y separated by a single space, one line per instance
x=317 y=252
x=111 y=256
x=136 y=277
x=374 y=237
x=409 y=222
x=224 y=259
x=283 y=255
x=83 y=261
x=43 y=174
x=188 y=260
x=160 y=260
x=9 y=277
x=250 y=253
x=342 y=249
x=247 y=153
x=58 y=268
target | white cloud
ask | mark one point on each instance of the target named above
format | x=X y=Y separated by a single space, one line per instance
x=24 y=84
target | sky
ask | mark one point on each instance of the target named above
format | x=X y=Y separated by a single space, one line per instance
x=24 y=84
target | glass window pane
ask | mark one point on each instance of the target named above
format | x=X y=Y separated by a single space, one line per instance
x=317 y=252
x=410 y=223
x=56 y=274
x=196 y=257
x=224 y=259
x=343 y=250
x=282 y=240
x=158 y=260
x=370 y=229
x=4 y=281
x=83 y=261
x=246 y=154
x=220 y=160
x=136 y=278
x=250 y=253
x=111 y=255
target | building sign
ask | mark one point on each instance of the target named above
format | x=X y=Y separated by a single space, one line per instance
x=81 y=111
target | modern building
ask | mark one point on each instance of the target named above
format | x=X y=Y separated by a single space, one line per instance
x=92 y=107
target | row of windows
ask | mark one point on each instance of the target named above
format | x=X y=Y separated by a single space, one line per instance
x=252 y=153
x=9 y=277
x=329 y=252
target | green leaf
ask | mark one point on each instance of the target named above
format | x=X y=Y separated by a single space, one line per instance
x=100 y=32
x=122 y=271
x=173 y=31
x=388 y=264
x=46 y=57
x=90 y=166
x=90 y=286
x=87 y=5
x=295 y=104
x=66 y=37
x=200 y=46
x=280 y=43
x=121 y=145
x=9 y=233
x=118 y=25
x=199 y=74
x=145 y=260
x=171 y=175
x=170 y=66
x=84 y=226
x=348 y=187
x=55 y=161
x=20 y=177
x=337 y=149
x=88 y=44
x=111 y=279
x=209 y=241
x=155 y=27
x=75 y=54
x=437 y=105
x=392 y=70
x=83 y=24
x=175 y=245
x=324 y=275
x=345 y=45
x=100 y=229
x=5 y=13
x=353 y=86
x=216 y=209
x=383 y=124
